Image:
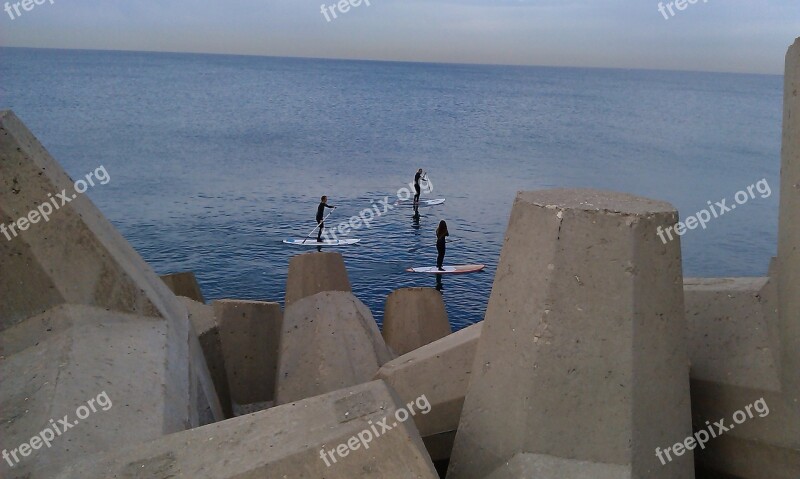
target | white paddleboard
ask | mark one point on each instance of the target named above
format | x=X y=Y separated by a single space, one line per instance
x=434 y=202
x=314 y=242
x=457 y=269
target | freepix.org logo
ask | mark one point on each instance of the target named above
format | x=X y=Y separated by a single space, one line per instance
x=53 y=203
x=679 y=5
x=49 y=434
x=27 y=5
x=343 y=6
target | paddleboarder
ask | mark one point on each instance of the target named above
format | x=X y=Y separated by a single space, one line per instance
x=323 y=203
x=417 y=190
x=441 y=234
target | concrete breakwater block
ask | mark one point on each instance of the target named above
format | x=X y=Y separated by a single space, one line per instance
x=205 y=326
x=581 y=368
x=61 y=259
x=55 y=362
x=733 y=349
x=249 y=333
x=745 y=338
x=329 y=341
x=75 y=255
x=312 y=273
x=441 y=371
x=788 y=277
x=414 y=317
x=184 y=284
x=292 y=441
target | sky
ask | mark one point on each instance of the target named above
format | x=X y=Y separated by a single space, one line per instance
x=742 y=36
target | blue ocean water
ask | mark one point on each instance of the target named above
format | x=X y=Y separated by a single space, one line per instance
x=215 y=159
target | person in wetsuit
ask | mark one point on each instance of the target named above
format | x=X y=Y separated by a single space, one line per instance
x=441 y=234
x=323 y=203
x=417 y=190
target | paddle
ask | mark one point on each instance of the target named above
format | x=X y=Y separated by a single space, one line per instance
x=318 y=225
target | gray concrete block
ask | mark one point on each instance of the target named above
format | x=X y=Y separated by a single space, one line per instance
x=312 y=273
x=582 y=356
x=788 y=278
x=184 y=284
x=441 y=371
x=539 y=466
x=759 y=448
x=745 y=336
x=329 y=341
x=414 y=317
x=249 y=332
x=282 y=442
x=734 y=349
x=75 y=257
x=71 y=258
x=732 y=332
x=205 y=325
x=54 y=362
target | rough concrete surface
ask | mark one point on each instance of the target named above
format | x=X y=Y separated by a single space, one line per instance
x=414 y=317
x=205 y=325
x=55 y=362
x=75 y=271
x=77 y=256
x=734 y=349
x=184 y=284
x=441 y=371
x=789 y=231
x=583 y=350
x=329 y=341
x=283 y=442
x=538 y=466
x=249 y=332
x=312 y=273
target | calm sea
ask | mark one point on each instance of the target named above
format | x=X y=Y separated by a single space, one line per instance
x=215 y=159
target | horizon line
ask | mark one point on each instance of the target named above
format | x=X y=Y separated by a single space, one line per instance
x=374 y=60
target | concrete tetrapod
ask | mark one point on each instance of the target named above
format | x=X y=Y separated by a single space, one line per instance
x=288 y=441
x=329 y=341
x=788 y=280
x=75 y=255
x=733 y=348
x=184 y=284
x=64 y=264
x=207 y=329
x=57 y=361
x=312 y=273
x=414 y=317
x=581 y=369
x=745 y=338
x=249 y=332
x=441 y=371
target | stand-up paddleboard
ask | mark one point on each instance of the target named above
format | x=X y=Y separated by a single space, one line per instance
x=458 y=269
x=314 y=242
x=310 y=241
x=434 y=202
